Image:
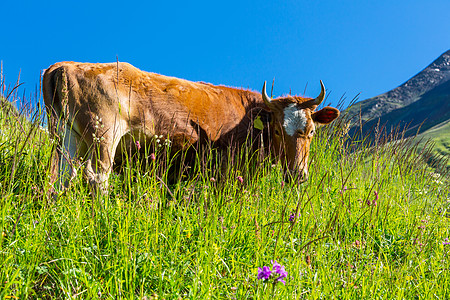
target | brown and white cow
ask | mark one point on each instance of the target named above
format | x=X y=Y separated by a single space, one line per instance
x=93 y=106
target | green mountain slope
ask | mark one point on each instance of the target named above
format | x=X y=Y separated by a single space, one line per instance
x=440 y=137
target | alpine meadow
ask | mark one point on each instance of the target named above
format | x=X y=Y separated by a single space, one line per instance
x=371 y=222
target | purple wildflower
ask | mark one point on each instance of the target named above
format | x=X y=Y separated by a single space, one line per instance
x=240 y=179
x=279 y=269
x=446 y=242
x=138 y=145
x=264 y=273
x=292 y=217
x=153 y=156
x=374 y=202
x=278 y=273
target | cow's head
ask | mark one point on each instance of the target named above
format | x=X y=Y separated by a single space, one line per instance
x=293 y=124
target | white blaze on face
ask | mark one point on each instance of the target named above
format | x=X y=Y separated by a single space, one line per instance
x=294 y=119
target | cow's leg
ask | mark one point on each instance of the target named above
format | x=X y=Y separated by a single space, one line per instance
x=68 y=153
x=99 y=163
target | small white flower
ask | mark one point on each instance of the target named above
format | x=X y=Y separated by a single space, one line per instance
x=435 y=175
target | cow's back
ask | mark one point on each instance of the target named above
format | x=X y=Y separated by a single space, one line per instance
x=149 y=102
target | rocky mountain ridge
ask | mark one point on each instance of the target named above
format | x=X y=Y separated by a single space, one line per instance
x=419 y=107
x=434 y=75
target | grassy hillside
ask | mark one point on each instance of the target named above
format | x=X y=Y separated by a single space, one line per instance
x=371 y=223
x=439 y=138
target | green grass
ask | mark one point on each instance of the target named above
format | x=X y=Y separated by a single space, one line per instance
x=200 y=239
x=439 y=136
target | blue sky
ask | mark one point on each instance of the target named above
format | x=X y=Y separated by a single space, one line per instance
x=366 y=47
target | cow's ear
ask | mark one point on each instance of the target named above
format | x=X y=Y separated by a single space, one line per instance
x=325 y=116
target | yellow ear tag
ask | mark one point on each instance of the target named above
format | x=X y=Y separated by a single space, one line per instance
x=258 y=124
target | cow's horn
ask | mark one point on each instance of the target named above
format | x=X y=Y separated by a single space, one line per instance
x=321 y=96
x=265 y=96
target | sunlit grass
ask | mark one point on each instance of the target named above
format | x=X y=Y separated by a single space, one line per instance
x=371 y=222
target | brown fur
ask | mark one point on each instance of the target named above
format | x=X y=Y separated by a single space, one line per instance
x=130 y=101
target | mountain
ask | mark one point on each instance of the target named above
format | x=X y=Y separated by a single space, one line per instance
x=436 y=74
x=420 y=106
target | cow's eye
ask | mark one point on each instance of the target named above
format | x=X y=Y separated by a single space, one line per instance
x=277 y=132
x=312 y=132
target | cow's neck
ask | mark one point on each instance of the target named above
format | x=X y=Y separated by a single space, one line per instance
x=252 y=100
